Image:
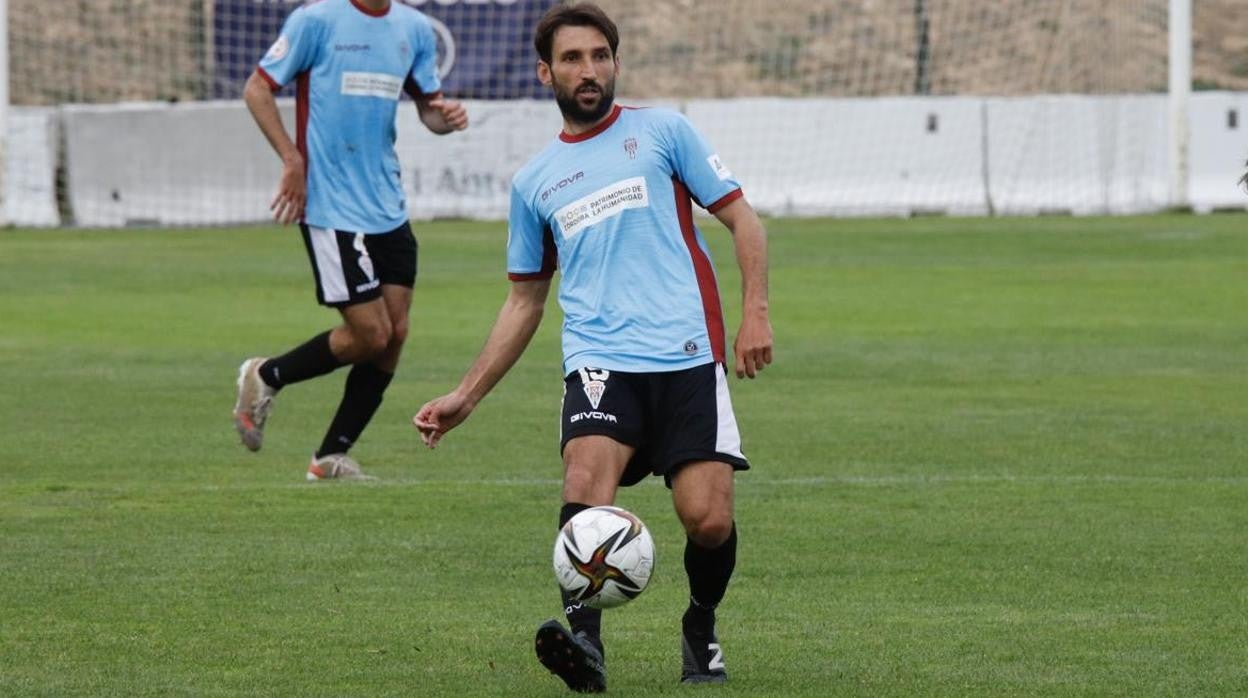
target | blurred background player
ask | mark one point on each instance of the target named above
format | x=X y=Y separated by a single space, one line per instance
x=351 y=59
x=608 y=202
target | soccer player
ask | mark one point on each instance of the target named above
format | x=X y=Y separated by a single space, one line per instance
x=610 y=202
x=351 y=60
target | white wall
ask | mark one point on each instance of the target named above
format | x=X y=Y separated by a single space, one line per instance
x=169 y=164
x=1217 y=150
x=850 y=156
x=1078 y=154
x=468 y=174
x=206 y=163
x=30 y=171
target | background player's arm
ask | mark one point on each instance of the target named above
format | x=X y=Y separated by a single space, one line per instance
x=752 y=348
x=517 y=321
x=441 y=115
x=287 y=206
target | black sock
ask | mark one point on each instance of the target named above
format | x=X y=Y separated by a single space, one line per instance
x=308 y=360
x=709 y=570
x=580 y=618
x=360 y=399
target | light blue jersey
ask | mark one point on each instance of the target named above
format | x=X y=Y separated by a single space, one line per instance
x=351 y=65
x=611 y=209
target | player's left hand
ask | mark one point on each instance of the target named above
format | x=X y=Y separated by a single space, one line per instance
x=452 y=112
x=752 y=350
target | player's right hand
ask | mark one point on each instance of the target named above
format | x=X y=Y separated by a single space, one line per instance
x=292 y=192
x=439 y=416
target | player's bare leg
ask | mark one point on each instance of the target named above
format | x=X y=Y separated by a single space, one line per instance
x=702 y=493
x=398 y=305
x=364 y=333
x=592 y=466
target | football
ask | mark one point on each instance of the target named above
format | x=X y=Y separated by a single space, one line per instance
x=604 y=557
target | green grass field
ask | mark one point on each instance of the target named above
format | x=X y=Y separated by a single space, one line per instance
x=993 y=457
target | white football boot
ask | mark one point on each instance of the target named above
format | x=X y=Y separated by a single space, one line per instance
x=335 y=466
x=255 y=401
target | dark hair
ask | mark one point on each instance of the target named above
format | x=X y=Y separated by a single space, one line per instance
x=580 y=14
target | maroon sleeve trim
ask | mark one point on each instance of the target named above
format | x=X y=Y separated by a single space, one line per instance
x=535 y=276
x=725 y=200
x=412 y=88
x=273 y=84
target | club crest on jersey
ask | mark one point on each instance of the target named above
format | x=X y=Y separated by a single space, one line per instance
x=594 y=383
x=630 y=147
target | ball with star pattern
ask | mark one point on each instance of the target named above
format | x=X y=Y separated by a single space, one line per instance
x=604 y=557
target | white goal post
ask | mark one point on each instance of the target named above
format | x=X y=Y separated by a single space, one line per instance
x=4 y=105
x=1179 y=87
x=129 y=113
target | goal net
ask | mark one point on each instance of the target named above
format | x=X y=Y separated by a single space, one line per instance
x=129 y=112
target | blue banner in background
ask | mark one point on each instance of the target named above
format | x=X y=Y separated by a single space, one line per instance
x=485 y=47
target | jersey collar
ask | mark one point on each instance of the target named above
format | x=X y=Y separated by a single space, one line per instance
x=606 y=124
x=372 y=13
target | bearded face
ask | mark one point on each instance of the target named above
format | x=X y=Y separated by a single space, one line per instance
x=586 y=100
x=582 y=72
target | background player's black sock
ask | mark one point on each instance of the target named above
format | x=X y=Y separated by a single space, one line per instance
x=709 y=570
x=308 y=360
x=580 y=618
x=360 y=399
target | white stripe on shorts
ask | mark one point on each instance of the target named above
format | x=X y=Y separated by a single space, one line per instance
x=727 y=437
x=329 y=264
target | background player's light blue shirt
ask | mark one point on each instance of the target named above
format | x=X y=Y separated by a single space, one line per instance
x=611 y=208
x=351 y=66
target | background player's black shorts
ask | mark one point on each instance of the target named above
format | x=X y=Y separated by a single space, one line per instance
x=671 y=418
x=351 y=267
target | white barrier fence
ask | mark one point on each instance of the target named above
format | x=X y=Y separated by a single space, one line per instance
x=206 y=163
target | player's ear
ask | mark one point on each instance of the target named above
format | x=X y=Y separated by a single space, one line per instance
x=543 y=73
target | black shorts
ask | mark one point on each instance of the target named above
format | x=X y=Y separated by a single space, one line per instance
x=351 y=267
x=671 y=418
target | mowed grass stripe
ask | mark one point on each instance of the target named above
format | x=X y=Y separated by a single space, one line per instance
x=994 y=456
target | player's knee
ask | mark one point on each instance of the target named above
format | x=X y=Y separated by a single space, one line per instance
x=372 y=340
x=398 y=336
x=581 y=485
x=709 y=528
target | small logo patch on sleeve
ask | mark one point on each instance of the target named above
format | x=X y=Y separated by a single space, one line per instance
x=718 y=166
x=279 y=49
